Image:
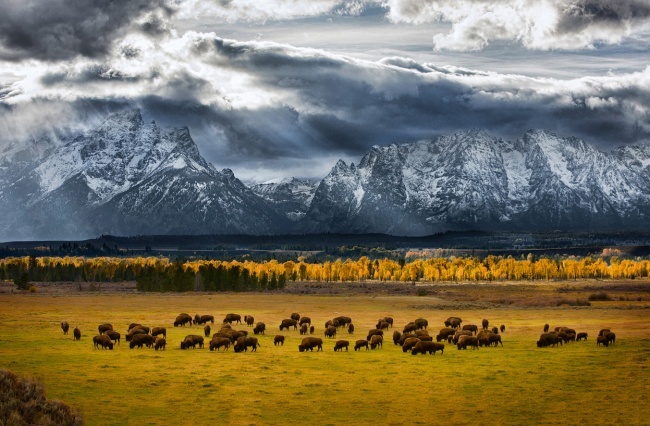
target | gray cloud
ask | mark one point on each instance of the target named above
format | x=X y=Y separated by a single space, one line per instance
x=62 y=29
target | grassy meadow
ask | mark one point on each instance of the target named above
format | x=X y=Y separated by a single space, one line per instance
x=516 y=384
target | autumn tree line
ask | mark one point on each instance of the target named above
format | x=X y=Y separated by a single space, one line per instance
x=163 y=275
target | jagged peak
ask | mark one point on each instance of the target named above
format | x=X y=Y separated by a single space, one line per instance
x=129 y=118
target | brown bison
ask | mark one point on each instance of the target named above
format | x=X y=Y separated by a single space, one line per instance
x=374 y=332
x=581 y=336
x=159 y=330
x=206 y=330
x=102 y=340
x=76 y=333
x=230 y=318
x=191 y=340
x=471 y=327
x=502 y=328
x=342 y=321
x=142 y=339
x=495 y=339
x=453 y=322
x=309 y=343
x=361 y=344
x=465 y=341
x=160 y=343
x=485 y=324
x=421 y=333
x=602 y=340
x=546 y=328
x=548 y=339
x=225 y=325
x=249 y=320
x=409 y=343
x=431 y=347
x=113 y=335
x=278 y=340
x=141 y=327
x=410 y=327
x=330 y=331
x=243 y=343
x=376 y=341
x=340 y=344
x=304 y=329
x=65 y=326
x=421 y=323
x=203 y=319
x=444 y=333
x=182 y=319
x=405 y=336
x=350 y=328
x=603 y=331
x=311 y=329
x=382 y=325
x=133 y=332
x=454 y=339
x=295 y=316
x=219 y=342
x=329 y=323
x=103 y=327
x=133 y=325
x=396 y=336
x=260 y=327
x=305 y=320
x=389 y=320
x=286 y=323
x=611 y=337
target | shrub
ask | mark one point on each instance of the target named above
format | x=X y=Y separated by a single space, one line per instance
x=600 y=297
x=32 y=289
x=421 y=292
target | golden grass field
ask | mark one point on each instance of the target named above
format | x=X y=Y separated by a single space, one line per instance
x=578 y=383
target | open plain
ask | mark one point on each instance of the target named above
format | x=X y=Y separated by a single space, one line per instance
x=577 y=383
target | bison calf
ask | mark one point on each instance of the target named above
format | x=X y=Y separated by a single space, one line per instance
x=160 y=343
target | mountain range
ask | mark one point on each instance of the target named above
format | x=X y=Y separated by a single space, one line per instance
x=128 y=177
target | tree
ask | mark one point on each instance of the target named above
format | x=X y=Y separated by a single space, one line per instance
x=22 y=282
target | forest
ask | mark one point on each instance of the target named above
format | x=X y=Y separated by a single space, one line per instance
x=160 y=274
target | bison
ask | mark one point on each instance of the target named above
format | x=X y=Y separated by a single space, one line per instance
x=360 y=344
x=260 y=327
x=249 y=320
x=311 y=329
x=134 y=332
x=309 y=343
x=295 y=316
x=405 y=336
x=133 y=325
x=603 y=331
x=76 y=333
x=206 y=330
x=464 y=341
x=286 y=323
x=342 y=321
x=192 y=340
x=396 y=336
x=203 y=319
x=340 y=344
x=457 y=335
x=547 y=339
x=410 y=327
x=453 y=322
x=421 y=323
x=374 y=332
x=495 y=339
x=389 y=320
x=611 y=337
x=278 y=340
x=230 y=318
x=382 y=325
x=160 y=343
x=502 y=328
x=159 y=330
x=305 y=320
x=243 y=343
x=182 y=319
x=330 y=331
x=581 y=336
x=546 y=328
x=471 y=328
x=113 y=335
x=376 y=341
x=103 y=327
x=219 y=342
x=431 y=347
x=444 y=333
x=602 y=340
x=142 y=339
x=409 y=343
x=65 y=326
x=350 y=328
x=104 y=341
x=304 y=329
x=485 y=324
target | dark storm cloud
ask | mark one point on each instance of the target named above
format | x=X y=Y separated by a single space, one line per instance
x=61 y=29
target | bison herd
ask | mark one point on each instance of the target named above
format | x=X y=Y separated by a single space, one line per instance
x=414 y=338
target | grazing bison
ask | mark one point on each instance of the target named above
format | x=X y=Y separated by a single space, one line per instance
x=340 y=344
x=343 y=321
x=230 y=318
x=311 y=329
x=602 y=340
x=495 y=330
x=203 y=319
x=502 y=328
x=142 y=339
x=225 y=325
x=431 y=347
x=410 y=327
x=65 y=326
x=243 y=343
x=351 y=328
x=102 y=340
x=330 y=331
x=305 y=320
x=376 y=341
x=206 y=330
x=581 y=336
x=374 y=332
x=548 y=339
x=182 y=319
x=453 y=322
x=191 y=340
x=295 y=316
x=103 y=327
x=389 y=320
x=260 y=327
x=465 y=341
x=603 y=331
x=444 y=333
x=545 y=328
x=360 y=344
x=567 y=330
x=278 y=340
x=160 y=343
x=309 y=343
x=113 y=335
x=571 y=337
x=249 y=320
x=396 y=336
x=219 y=342
x=421 y=333
x=159 y=330
x=611 y=337
x=485 y=324
x=286 y=323
x=382 y=325
x=421 y=323
x=495 y=339
x=405 y=336
x=329 y=323
x=133 y=325
x=304 y=329
x=76 y=333
x=457 y=335
x=471 y=328
x=141 y=327
x=409 y=343
x=133 y=332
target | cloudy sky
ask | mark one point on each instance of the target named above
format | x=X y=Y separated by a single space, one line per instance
x=277 y=88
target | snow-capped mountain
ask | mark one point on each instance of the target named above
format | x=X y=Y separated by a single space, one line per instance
x=128 y=177
x=472 y=180
x=290 y=197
